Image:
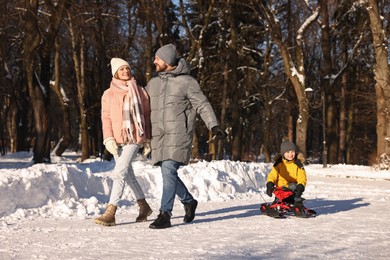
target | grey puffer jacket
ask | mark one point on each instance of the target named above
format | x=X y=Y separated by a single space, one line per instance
x=175 y=99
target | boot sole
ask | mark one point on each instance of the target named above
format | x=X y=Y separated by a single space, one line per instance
x=105 y=223
x=154 y=227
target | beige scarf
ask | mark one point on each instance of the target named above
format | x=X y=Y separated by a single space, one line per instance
x=132 y=114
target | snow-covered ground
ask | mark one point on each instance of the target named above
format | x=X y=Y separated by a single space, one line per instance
x=47 y=212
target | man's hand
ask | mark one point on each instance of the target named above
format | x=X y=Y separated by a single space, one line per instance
x=218 y=133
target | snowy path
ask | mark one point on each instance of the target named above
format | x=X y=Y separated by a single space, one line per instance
x=350 y=225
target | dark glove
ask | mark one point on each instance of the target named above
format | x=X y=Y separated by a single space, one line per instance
x=218 y=133
x=299 y=204
x=270 y=188
x=299 y=189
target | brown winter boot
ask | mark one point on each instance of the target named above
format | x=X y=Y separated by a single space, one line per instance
x=144 y=210
x=108 y=217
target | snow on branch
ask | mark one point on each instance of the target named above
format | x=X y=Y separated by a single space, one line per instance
x=279 y=97
x=306 y=24
x=42 y=87
x=333 y=78
x=300 y=77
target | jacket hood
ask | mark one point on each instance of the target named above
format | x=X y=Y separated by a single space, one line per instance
x=182 y=68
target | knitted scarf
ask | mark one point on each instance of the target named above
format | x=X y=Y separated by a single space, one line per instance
x=132 y=114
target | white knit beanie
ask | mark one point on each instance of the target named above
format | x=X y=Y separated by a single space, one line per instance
x=116 y=63
x=167 y=53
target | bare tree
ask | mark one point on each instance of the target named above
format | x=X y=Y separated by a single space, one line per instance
x=38 y=81
x=66 y=138
x=147 y=12
x=38 y=98
x=78 y=46
x=253 y=60
x=195 y=56
x=295 y=69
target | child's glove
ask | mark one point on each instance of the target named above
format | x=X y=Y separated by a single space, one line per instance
x=298 y=204
x=270 y=188
x=111 y=145
x=298 y=191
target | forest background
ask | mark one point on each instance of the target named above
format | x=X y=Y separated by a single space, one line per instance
x=315 y=72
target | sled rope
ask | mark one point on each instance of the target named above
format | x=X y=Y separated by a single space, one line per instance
x=254 y=185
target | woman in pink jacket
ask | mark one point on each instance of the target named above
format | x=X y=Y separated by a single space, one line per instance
x=126 y=126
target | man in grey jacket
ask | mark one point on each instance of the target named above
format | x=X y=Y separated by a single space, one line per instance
x=175 y=99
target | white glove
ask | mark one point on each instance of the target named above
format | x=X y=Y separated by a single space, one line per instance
x=147 y=149
x=111 y=145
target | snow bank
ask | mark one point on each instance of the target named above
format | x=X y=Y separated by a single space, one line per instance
x=67 y=189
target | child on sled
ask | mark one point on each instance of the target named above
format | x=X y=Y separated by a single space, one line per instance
x=288 y=172
x=287 y=181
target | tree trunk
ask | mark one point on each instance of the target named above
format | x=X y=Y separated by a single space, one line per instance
x=85 y=148
x=12 y=125
x=39 y=89
x=267 y=127
x=224 y=104
x=234 y=84
x=149 y=40
x=290 y=120
x=78 y=60
x=267 y=114
x=343 y=113
x=330 y=127
x=66 y=138
x=382 y=78
x=160 y=26
x=31 y=43
x=351 y=116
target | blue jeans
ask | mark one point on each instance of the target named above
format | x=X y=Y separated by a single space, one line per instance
x=172 y=185
x=123 y=173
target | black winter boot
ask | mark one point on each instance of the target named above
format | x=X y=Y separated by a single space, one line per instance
x=190 y=211
x=163 y=221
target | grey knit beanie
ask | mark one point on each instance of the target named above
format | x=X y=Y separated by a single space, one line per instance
x=287 y=146
x=167 y=53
